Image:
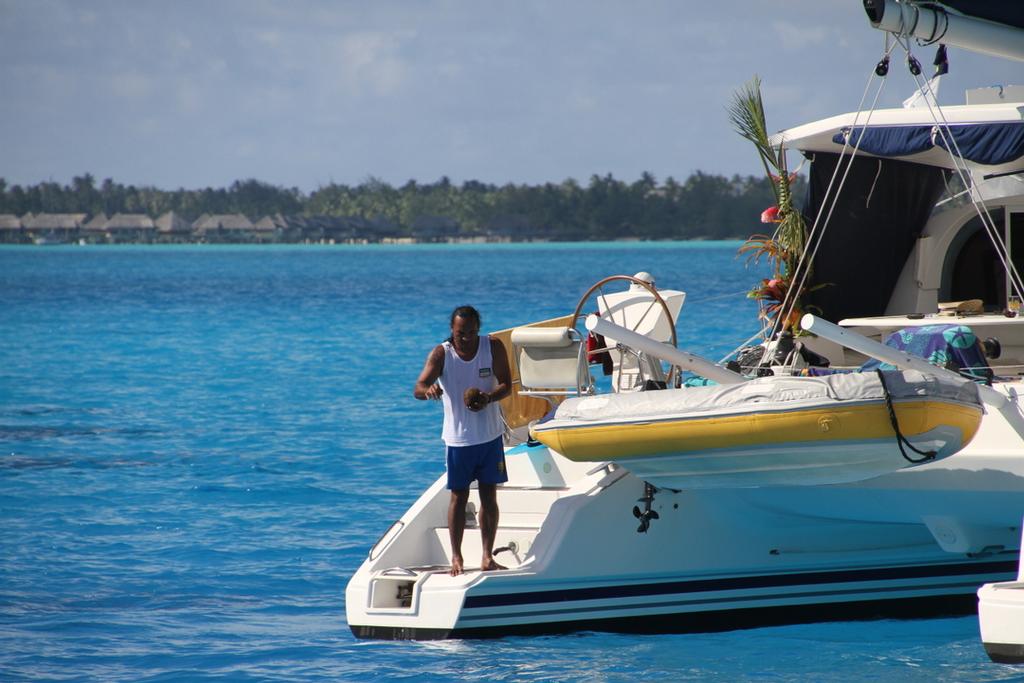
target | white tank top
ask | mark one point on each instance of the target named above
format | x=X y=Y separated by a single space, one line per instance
x=463 y=427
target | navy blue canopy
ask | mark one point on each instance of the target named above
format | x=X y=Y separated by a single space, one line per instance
x=990 y=144
x=878 y=217
x=999 y=11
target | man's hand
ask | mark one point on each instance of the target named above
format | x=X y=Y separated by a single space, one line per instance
x=433 y=392
x=475 y=399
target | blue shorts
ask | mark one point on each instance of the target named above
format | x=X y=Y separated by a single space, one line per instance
x=484 y=462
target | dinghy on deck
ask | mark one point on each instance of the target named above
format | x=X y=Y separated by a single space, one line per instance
x=770 y=431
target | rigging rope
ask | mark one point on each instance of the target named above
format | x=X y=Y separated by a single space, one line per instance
x=732 y=296
x=802 y=270
x=804 y=262
x=960 y=165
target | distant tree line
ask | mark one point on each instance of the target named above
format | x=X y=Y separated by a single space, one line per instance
x=702 y=206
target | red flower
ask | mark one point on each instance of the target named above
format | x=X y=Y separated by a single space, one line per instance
x=770 y=215
x=775 y=288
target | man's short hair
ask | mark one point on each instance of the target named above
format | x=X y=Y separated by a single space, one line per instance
x=467 y=312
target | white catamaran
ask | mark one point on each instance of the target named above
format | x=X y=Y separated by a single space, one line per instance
x=781 y=490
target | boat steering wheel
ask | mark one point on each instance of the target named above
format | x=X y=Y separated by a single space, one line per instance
x=657 y=300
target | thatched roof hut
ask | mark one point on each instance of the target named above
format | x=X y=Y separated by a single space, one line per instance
x=225 y=227
x=130 y=222
x=97 y=223
x=270 y=223
x=221 y=221
x=172 y=223
x=9 y=221
x=54 y=221
x=200 y=223
x=234 y=221
x=11 y=231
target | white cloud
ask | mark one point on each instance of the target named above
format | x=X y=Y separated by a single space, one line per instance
x=246 y=150
x=130 y=85
x=794 y=37
x=216 y=67
x=147 y=126
x=268 y=38
x=583 y=101
x=179 y=44
x=188 y=97
x=87 y=18
x=450 y=70
x=370 y=61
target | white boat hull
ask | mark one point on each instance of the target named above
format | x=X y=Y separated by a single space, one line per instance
x=916 y=542
x=1001 y=616
x=1001 y=619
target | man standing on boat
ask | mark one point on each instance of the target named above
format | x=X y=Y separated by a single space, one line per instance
x=470 y=374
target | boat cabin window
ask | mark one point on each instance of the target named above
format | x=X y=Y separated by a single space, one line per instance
x=973 y=270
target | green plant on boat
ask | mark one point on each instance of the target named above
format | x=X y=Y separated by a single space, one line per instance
x=783 y=247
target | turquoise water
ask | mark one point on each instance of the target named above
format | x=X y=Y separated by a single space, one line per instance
x=199 y=445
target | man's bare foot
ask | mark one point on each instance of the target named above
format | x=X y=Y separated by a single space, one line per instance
x=489 y=565
x=456 y=566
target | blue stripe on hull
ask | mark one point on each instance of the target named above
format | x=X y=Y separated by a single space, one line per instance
x=701 y=622
x=682 y=605
x=672 y=588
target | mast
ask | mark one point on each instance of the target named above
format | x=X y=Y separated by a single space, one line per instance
x=934 y=24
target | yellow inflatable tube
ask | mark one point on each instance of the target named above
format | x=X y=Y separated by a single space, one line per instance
x=830 y=424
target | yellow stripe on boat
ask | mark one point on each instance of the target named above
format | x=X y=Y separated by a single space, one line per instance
x=832 y=424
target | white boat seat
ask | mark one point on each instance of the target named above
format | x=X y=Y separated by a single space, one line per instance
x=548 y=360
x=637 y=310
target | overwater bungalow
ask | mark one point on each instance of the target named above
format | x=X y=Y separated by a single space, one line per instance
x=228 y=227
x=94 y=231
x=236 y=228
x=345 y=229
x=268 y=228
x=171 y=228
x=121 y=228
x=434 y=228
x=11 y=230
x=130 y=227
x=316 y=228
x=380 y=229
x=53 y=228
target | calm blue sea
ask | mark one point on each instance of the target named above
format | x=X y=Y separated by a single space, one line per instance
x=198 y=446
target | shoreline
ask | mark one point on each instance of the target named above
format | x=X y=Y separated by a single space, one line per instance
x=316 y=246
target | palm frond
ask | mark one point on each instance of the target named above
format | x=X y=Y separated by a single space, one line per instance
x=747 y=114
x=784 y=248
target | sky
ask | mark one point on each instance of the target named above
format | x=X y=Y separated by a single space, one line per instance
x=304 y=93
